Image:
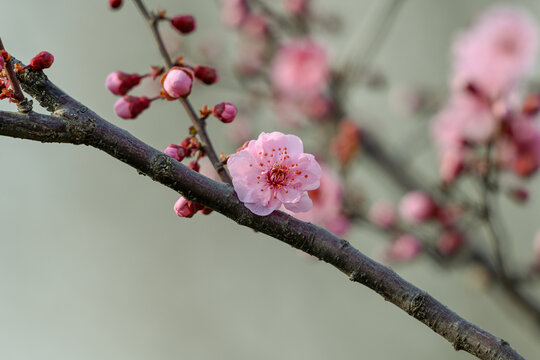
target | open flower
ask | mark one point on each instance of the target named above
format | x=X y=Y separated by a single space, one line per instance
x=273 y=170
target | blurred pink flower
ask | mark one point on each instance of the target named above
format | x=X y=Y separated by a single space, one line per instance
x=521 y=149
x=233 y=12
x=416 y=207
x=273 y=170
x=300 y=69
x=327 y=204
x=405 y=248
x=465 y=118
x=496 y=52
x=452 y=163
x=383 y=214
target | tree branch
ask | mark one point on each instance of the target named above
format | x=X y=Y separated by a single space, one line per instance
x=72 y=122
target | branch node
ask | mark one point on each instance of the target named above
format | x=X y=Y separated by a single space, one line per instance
x=25 y=106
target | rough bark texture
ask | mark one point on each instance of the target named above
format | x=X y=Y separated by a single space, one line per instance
x=74 y=123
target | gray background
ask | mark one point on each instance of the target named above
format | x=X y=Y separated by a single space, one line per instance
x=94 y=264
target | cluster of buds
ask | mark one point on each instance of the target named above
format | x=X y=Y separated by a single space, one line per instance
x=417 y=208
x=187 y=148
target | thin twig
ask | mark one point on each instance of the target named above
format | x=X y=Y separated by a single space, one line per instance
x=198 y=123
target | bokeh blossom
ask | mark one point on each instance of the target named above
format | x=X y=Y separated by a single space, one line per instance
x=496 y=52
x=273 y=171
x=300 y=69
x=327 y=204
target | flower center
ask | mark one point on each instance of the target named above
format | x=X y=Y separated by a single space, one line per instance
x=277 y=176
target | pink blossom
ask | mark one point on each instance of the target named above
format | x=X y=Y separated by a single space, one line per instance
x=129 y=107
x=177 y=82
x=416 y=207
x=327 y=204
x=465 y=118
x=405 y=248
x=383 y=214
x=120 y=83
x=496 y=52
x=233 y=12
x=451 y=165
x=225 y=112
x=300 y=69
x=273 y=170
x=255 y=25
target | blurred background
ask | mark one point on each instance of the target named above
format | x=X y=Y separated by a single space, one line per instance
x=94 y=263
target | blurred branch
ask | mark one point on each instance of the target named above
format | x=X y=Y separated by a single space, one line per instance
x=198 y=123
x=72 y=122
x=497 y=234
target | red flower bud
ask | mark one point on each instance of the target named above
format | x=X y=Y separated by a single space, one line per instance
x=115 y=4
x=225 y=112
x=184 y=23
x=41 y=61
x=206 y=74
x=449 y=242
x=129 y=107
x=194 y=165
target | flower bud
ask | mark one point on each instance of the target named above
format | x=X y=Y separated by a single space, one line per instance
x=177 y=83
x=417 y=207
x=406 y=247
x=186 y=208
x=120 y=83
x=177 y=152
x=129 y=107
x=194 y=165
x=225 y=112
x=206 y=74
x=41 y=61
x=184 y=23
x=449 y=242
x=115 y=4
x=519 y=194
